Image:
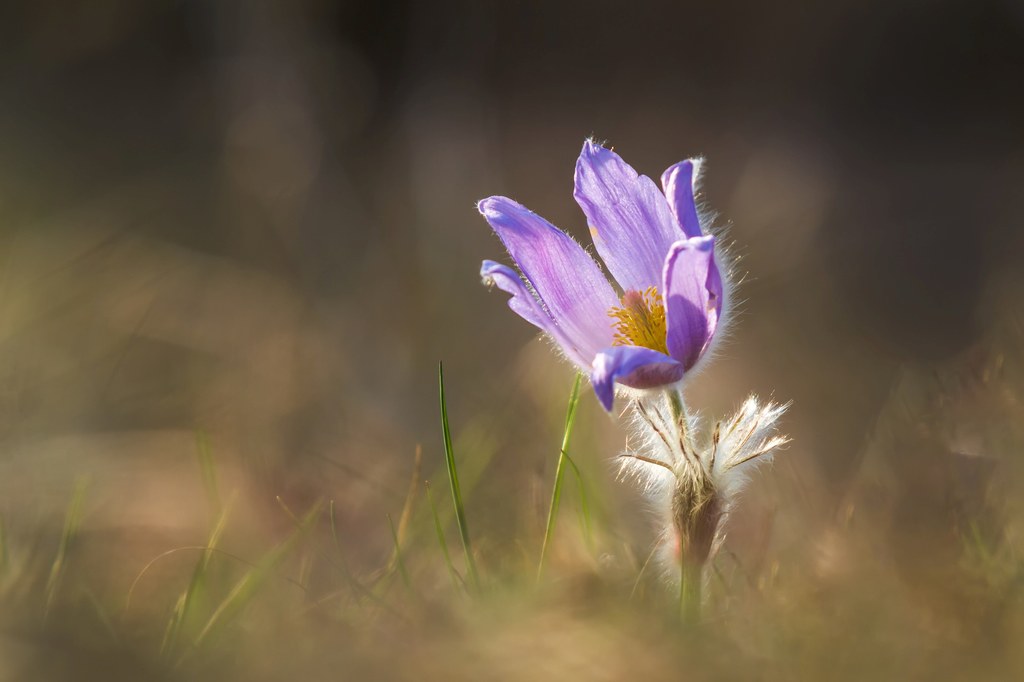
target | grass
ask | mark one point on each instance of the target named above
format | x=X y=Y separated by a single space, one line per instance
x=453 y=480
x=556 y=489
x=248 y=586
x=196 y=587
x=72 y=521
x=441 y=541
x=818 y=605
x=4 y=560
x=399 y=562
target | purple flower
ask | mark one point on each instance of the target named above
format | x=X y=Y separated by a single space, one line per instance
x=652 y=243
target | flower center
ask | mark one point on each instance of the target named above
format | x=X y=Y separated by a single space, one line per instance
x=641 y=320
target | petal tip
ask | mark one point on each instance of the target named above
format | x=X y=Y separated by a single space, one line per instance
x=704 y=243
x=594 y=149
x=488 y=206
x=487 y=268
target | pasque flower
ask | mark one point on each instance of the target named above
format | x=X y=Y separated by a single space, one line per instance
x=646 y=330
x=656 y=325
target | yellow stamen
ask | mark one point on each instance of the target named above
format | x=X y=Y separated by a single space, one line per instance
x=641 y=320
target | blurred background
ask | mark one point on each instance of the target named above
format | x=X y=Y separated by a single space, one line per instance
x=254 y=221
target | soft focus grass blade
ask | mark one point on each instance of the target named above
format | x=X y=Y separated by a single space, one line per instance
x=196 y=586
x=411 y=495
x=584 y=504
x=354 y=585
x=332 y=516
x=399 y=562
x=246 y=588
x=556 y=491
x=640 y=573
x=3 y=546
x=453 y=479
x=342 y=563
x=476 y=436
x=71 y=523
x=456 y=580
x=102 y=616
x=407 y=509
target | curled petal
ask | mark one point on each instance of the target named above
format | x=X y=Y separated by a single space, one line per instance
x=628 y=216
x=631 y=366
x=679 y=182
x=570 y=287
x=693 y=298
x=524 y=302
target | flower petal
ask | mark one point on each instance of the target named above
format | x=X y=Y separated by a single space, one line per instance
x=628 y=215
x=680 y=182
x=631 y=366
x=525 y=303
x=693 y=298
x=569 y=284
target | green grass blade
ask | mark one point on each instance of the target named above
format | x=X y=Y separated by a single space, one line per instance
x=354 y=585
x=456 y=580
x=585 y=521
x=248 y=586
x=196 y=586
x=556 y=492
x=453 y=479
x=72 y=520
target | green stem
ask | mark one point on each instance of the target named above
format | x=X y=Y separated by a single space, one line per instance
x=453 y=479
x=556 y=492
x=690 y=591
x=682 y=419
x=679 y=413
x=691 y=573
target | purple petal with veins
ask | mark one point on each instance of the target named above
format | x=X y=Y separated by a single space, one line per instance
x=628 y=216
x=569 y=284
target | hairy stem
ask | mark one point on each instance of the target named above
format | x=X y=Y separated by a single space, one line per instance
x=677 y=407
x=690 y=591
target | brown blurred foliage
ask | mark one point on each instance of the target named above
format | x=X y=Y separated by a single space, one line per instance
x=255 y=220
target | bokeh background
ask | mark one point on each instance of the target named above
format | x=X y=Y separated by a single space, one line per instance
x=254 y=221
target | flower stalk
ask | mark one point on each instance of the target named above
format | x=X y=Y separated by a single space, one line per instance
x=695 y=478
x=691 y=588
